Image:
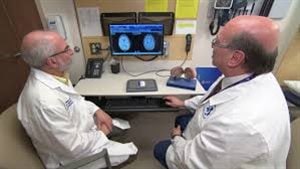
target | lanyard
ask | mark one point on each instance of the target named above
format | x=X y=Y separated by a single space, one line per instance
x=240 y=81
x=217 y=89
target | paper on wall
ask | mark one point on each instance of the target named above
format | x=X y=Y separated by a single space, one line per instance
x=89 y=21
x=156 y=5
x=185 y=27
x=186 y=8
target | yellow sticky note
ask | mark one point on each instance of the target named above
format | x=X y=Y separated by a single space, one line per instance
x=186 y=8
x=156 y=5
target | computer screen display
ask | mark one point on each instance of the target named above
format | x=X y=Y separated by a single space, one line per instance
x=136 y=39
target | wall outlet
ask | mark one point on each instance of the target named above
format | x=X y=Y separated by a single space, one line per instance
x=95 y=48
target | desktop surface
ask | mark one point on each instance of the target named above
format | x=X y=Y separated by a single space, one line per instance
x=115 y=85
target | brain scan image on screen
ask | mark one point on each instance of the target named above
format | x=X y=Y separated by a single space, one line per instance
x=124 y=42
x=136 y=39
x=149 y=42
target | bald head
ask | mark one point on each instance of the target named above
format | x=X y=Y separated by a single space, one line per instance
x=263 y=29
x=255 y=40
x=33 y=39
x=38 y=45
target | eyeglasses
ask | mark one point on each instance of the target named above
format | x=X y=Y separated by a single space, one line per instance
x=216 y=43
x=67 y=48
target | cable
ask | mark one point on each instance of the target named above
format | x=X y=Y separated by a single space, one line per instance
x=107 y=54
x=162 y=70
x=134 y=75
x=214 y=26
x=157 y=72
x=186 y=56
x=146 y=60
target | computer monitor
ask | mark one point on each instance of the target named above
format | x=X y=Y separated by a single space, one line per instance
x=117 y=18
x=136 y=39
x=166 y=18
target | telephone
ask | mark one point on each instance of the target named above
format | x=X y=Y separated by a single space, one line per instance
x=188 y=42
x=94 y=68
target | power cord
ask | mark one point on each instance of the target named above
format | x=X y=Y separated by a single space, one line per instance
x=185 y=59
x=157 y=72
x=146 y=60
x=168 y=70
x=134 y=75
x=107 y=54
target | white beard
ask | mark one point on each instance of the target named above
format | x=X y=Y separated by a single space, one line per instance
x=65 y=67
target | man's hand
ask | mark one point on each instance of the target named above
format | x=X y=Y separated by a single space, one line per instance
x=173 y=101
x=176 y=131
x=103 y=118
x=104 y=129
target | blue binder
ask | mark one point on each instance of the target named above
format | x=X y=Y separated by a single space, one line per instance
x=182 y=83
x=207 y=76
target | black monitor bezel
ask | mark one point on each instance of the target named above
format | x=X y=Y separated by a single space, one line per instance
x=110 y=17
x=167 y=18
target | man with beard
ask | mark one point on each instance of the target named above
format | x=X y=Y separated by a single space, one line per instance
x=243 y=120
x=62 y=125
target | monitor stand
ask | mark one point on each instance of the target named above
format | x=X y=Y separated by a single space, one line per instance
x=141 y=85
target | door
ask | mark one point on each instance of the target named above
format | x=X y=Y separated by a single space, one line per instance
x=66 y=10
x=17 y=18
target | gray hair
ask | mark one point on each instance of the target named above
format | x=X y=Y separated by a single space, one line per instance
x=258 y=60
x=36 y=54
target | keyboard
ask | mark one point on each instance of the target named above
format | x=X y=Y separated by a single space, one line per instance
x=136 y=104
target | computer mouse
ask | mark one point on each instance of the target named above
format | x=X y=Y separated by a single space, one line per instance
x=142 y=83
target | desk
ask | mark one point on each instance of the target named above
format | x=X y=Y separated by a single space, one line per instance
x=115 y=85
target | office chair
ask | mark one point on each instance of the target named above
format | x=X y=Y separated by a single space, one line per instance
x=17 y=150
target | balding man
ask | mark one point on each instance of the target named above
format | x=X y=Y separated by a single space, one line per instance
x=62 y=125
x=243 y=120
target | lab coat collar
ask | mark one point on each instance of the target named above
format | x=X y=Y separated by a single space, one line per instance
x=227 y=81
x=223 y=96
x=227 y=94
x=51 y=82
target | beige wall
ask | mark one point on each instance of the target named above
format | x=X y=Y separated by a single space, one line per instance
x=288 y=28
x=201 y=50
x=289 y=67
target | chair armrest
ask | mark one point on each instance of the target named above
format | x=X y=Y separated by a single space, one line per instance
x=87 y=160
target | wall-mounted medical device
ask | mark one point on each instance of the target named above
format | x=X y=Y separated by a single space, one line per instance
x=223 y=4
x=224 y=10
x=55 y=23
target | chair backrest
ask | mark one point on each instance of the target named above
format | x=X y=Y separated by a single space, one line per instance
x=16 y=149
x=294 y=153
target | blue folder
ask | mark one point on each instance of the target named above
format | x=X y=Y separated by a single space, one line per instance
x=182 y=83
x=207 y=76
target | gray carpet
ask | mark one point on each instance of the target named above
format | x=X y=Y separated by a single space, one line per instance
x=146 y=130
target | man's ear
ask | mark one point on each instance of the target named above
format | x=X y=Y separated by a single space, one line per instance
x=238 y=58
x=51 y=62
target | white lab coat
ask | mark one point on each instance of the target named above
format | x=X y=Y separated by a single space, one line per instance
x=61 y=125
x=245 y=126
